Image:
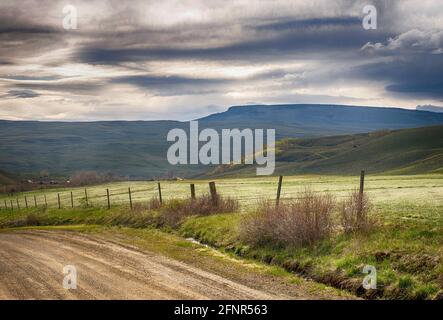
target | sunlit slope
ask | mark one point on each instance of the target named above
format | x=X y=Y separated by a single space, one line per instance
x=405 y=151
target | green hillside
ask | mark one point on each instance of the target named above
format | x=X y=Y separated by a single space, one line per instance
x=406 y=151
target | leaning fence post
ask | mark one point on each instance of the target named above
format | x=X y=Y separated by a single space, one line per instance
x=130 y=197
x=213 y=191
x=160 y=193
x=192 y=191
x=35 y=201
x=26 y=202
x=58 y=197
x=6 y=206
x=46 y=201
x=86 y=197
x=280 y=180
x=18 y=204
x=109 y=201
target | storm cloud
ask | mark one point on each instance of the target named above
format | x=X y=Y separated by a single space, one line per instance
x=171 y=60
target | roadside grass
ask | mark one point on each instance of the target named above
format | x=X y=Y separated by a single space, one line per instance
x=170 y=214
x=403 y=253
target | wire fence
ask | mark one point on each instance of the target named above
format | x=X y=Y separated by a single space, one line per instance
x=142 y=193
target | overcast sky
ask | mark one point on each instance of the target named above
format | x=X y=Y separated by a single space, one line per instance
x=184 y=59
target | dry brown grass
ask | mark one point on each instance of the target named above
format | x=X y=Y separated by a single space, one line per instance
x=298 y=222
x=355 y=213
x=154 y=204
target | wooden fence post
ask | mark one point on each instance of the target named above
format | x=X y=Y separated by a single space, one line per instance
x=361 y=195
x=18 y=204
x=59 y=204
x=109 y=201
x=46 y=201
x=26 y=202
x=160 y=193
x=35 y=201
x=130 y=197
x=72 y=200
x=192 y=191
x=362 y=181
x=12 y=206
x=213 y=191
x=86 y=198
x=280 y=180
x=6 y=206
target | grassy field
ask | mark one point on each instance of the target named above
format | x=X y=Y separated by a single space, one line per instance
x=406 y=247
x=400 y=196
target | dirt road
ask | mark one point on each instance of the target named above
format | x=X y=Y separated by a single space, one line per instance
x=32 y=261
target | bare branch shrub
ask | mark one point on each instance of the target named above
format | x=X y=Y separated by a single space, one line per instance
x=355 y=213
x=298 y=222
x=154 y=204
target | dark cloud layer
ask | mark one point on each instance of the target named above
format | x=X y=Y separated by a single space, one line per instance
x=286 y=41
x=24 y=94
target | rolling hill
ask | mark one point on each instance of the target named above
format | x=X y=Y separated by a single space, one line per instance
x=138 y=148
x=405 y=151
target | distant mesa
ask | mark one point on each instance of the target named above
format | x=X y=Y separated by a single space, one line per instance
x=430 y=108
